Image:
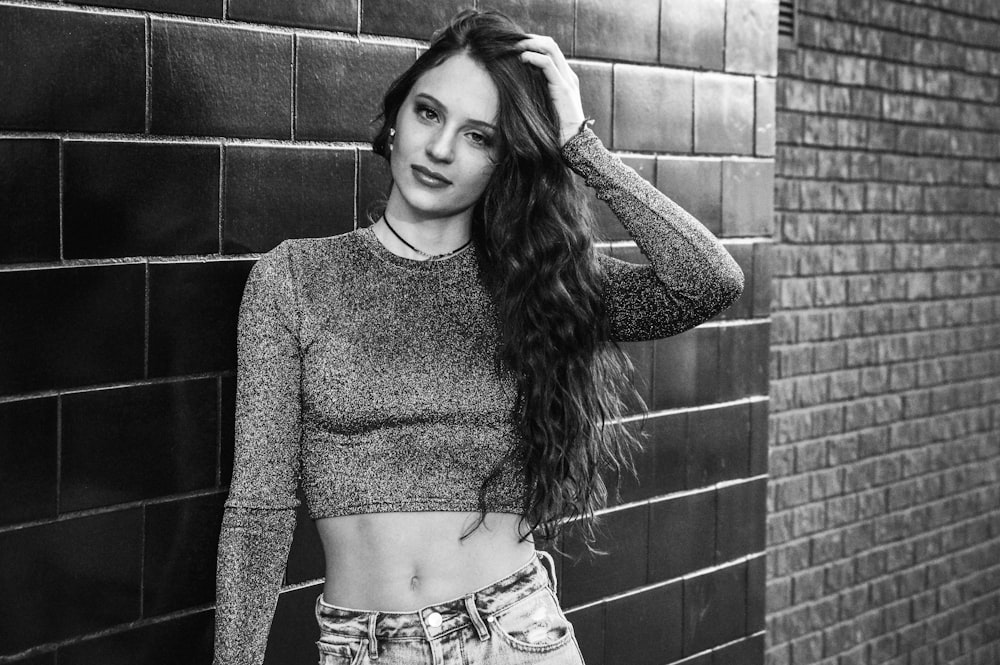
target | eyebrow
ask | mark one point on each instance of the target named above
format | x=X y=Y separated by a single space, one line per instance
x=435 y=101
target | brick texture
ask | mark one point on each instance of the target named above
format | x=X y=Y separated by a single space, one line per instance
x=884 y=504
x=150 y=150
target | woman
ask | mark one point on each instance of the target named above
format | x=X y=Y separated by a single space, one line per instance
x=443 y=383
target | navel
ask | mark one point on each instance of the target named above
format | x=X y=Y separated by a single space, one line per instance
x=414 y=583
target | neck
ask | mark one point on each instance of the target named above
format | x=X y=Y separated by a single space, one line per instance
x=416 y=239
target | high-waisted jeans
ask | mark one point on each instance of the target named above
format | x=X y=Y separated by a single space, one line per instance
x=513 y=621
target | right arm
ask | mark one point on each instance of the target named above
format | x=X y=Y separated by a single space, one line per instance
x=259 y=516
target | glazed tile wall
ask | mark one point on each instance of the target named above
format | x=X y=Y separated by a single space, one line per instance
x=150 y=150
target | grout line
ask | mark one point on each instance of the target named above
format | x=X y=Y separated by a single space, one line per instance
x=218 y=431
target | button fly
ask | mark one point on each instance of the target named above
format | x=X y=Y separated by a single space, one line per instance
x=433 y=619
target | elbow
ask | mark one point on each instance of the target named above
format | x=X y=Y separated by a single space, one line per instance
x=729 y=283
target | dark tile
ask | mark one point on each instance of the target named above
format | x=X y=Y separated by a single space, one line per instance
x=374 y=184
x=645 y=628
x=660 y=465
x=764 y=122
x=723 y=114
x=28 y=460
x=717 y=445
x=752 y=37
x=326 y=15
x=348 y=76
x=186 y=639
x=743 y=360
x=88 y=568
x=763 y=272
x=749 y=651
x=275 y=193
x=305 y=559
x=408 y=18
x=140 y=199
x=29 y=190
x=743 y=307
x=92 y=78
x=162 y=438
x=207 y=8
x=653 y=109
x=714 y=608
x=181 y=543
x=596 y=95
x=692 y=33
x=681 y=535
x=609 y=227
x=695 y=184
x=612 y=30
x=294 y=631
x=588 y=626
x=685 y=369
x=193 y=309
x=71 y=327
x=623 y=535
x=228 y=429
x=247 y=90
x=758 y=437
x=740 y=525
x=747 y=197
x=554 y=18
x=756 y=593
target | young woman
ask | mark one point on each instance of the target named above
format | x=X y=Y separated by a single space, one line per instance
x=443 y=384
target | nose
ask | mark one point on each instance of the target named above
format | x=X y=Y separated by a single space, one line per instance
x=440 y=147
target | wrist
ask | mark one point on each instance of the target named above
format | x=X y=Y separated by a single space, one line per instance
x=573 y=129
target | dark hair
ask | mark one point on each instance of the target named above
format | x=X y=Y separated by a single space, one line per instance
x=541 y=270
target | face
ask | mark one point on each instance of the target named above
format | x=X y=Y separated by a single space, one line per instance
x=444 y=144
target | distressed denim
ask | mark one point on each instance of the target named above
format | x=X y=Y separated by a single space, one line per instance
x=513 y=621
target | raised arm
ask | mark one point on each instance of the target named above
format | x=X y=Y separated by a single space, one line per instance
x=260 y=512
x=690 y=277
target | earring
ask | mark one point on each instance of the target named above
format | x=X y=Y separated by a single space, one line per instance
x=392 y=136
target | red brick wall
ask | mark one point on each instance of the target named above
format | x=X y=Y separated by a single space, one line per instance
x=151 y=149
x=884 y=502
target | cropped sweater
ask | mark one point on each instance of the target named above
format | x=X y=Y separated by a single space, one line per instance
x=368 y=379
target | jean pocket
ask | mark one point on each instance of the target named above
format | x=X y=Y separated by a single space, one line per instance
x=337 y=651
x=534 y=624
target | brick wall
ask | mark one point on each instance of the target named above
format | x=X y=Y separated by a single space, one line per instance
x=150 y=150
x=884 y=505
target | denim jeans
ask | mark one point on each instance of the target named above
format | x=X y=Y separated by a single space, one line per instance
x=513 y=621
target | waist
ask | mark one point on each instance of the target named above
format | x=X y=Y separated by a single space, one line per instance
x=443 y=617
x=401 y=561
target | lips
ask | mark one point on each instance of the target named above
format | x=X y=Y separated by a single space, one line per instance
x=428 y=177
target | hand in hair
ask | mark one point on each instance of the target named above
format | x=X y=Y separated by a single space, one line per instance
x=564 y=86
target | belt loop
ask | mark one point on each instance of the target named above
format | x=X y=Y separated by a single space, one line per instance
x=372 y=641
x=477 y=621
x=550 y=568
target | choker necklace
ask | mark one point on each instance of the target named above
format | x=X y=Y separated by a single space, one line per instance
x=430 y=257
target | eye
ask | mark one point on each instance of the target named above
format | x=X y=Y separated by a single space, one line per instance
x=480 y=140
x=426 y=112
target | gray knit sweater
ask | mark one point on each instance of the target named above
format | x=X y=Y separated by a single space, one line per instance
x=368 y=379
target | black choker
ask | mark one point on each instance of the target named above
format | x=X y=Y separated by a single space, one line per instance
x=430 y=257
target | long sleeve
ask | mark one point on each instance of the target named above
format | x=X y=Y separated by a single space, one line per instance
x=690 y=277
x=260 y=511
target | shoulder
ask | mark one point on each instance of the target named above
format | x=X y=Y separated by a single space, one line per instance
x=296 y=256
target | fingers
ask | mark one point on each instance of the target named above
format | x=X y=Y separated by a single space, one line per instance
x=548 y=47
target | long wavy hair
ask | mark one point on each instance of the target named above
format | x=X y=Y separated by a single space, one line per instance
x=535 y=235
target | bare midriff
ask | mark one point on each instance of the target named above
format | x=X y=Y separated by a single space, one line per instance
x=399 y=562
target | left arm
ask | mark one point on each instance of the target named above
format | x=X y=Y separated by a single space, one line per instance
x=690 y=278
